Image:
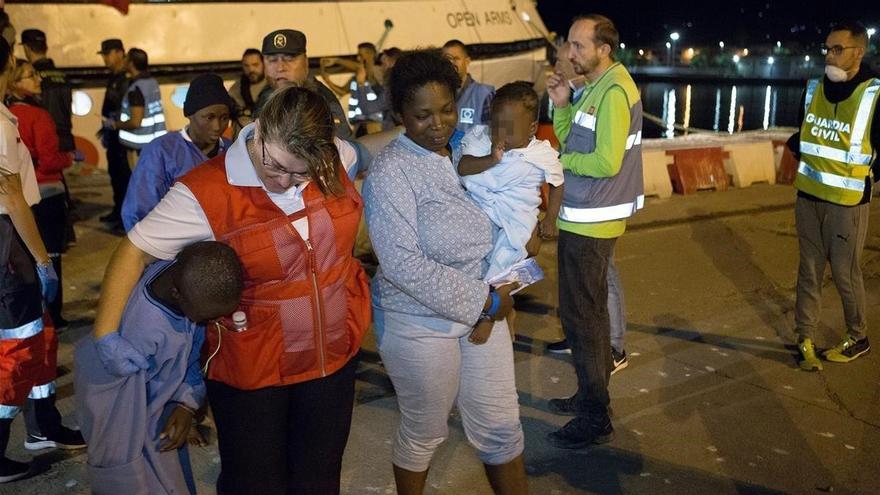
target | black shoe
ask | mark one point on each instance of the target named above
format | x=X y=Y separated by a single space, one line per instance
x=562 y=407
x=619 y=360
x=65 y=439
x=111 y=217
x=582 y=432
x=12 y=470
x=116 y=228
x=560 y=347
x=60 y=324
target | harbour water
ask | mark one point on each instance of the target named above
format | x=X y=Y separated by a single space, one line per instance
x=718 y=107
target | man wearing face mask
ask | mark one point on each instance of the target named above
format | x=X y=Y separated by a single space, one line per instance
x=837 y=148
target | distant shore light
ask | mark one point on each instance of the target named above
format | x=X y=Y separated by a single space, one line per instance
x=674 y=36
x=721 y=44
x=770 y=60
x=736 y=59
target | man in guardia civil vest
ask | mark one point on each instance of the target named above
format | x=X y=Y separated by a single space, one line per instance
x=837 y=150
x=601 y=135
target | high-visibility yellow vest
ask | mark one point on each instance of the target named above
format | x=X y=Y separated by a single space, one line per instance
x=836 y=151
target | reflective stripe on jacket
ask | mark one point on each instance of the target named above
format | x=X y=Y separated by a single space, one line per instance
x=600 y=199
x=153 y=122
x=836 y=153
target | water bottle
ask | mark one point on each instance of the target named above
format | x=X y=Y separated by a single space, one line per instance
x=239 y=319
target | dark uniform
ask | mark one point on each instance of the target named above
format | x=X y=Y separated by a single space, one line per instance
x=292 y=42
x=57 y=99
x=117 y=158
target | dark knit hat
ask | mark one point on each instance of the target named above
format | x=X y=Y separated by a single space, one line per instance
x=205 y=90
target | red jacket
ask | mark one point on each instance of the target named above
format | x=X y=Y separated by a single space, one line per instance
x=37 y=131
x=307 y=302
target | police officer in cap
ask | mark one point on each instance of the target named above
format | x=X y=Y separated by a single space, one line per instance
x=284 y=52
x=56 y=94
x=113 y=53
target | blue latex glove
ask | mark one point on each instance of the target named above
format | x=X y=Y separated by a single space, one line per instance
x=48 y=281
x=118 y=356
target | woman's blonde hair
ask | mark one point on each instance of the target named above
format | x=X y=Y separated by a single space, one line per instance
x=299 y=120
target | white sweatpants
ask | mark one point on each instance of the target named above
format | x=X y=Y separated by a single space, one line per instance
x=431 y=371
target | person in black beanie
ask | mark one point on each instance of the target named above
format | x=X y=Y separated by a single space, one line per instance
x=208 y=107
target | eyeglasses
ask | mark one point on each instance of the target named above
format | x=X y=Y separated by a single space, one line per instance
x=276 y=171
x=835 y=50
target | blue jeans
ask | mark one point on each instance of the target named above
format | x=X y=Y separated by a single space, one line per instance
x=616 y=306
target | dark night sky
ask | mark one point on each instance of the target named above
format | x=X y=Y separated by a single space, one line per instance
x=737 y=23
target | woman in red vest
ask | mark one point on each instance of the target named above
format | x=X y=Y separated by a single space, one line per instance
x=281 y=384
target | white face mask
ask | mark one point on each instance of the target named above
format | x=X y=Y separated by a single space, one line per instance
x=835 y=73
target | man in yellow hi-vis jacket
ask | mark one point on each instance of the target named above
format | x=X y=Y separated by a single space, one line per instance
x=837 y=148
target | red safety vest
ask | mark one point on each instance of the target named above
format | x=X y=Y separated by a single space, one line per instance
x=307 y=301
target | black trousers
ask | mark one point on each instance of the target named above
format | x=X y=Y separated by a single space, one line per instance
x=283 y=440
x=51 y=217
x=119 y=170
x=583 y=309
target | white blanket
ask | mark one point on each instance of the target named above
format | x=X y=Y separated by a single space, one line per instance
x=510 y=193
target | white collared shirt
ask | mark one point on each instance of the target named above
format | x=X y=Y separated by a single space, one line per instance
x=179 y=220
x=15 y=157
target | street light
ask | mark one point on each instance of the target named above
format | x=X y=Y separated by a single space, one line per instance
x=721 y=45
x=871 y=32
x=623 y=46
x=669 y=52
x=674 y=36
x=806 y=58
x=770 y=60
x=736 y=59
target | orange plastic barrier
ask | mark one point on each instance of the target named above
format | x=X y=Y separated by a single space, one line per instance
x=787 y=165
x=87 y=149
x=695 y=169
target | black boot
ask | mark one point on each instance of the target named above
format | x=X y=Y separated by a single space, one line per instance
x=9 y=470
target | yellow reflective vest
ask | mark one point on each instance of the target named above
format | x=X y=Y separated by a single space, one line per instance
x=836 y=151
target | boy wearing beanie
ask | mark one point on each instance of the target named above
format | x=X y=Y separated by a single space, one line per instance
x=163 y=160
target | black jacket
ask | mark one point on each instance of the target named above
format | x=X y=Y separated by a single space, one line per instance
x=56 y=99
x=117 y=86
x=343 y=130
x=836 y=92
